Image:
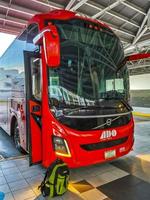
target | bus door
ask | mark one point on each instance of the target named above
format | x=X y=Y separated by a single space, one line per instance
x=33 y=106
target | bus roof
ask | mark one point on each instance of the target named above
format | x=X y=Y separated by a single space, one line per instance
x=63 y=15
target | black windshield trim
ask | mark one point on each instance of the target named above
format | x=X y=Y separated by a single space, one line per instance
x=97 y=116
x=86 y=21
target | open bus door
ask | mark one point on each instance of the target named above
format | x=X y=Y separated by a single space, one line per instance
x=33 y=106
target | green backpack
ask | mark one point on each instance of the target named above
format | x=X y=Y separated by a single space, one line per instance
x=56 y=179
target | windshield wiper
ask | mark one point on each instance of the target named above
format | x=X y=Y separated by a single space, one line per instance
x=80 y=108
x=126 y=104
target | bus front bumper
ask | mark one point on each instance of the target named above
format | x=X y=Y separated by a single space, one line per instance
x=87 y=148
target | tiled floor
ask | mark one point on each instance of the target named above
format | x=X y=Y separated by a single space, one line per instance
x=127 y=178
x=128 y=187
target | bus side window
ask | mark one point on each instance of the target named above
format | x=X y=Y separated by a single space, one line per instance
x=36 y=77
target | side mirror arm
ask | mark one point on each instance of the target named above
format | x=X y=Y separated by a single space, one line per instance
x=39 y=37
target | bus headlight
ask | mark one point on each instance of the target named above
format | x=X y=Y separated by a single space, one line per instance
x=61 y=147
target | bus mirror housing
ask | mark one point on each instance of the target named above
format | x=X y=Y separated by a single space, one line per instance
x=49 y=38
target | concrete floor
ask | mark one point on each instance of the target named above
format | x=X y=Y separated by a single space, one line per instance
x=7 y=147
x=127 y=178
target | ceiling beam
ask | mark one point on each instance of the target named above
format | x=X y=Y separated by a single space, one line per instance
x=10 y=29
x=123 y=18
x=13 y=20
x=123 y=32
x=136 y=65
x=143 y=43
x=2 y=30
x=134 y=7
x=69 y=5
x=115 y=14
x=116 y=29
x=141 y=27
x=125 y=41
x=113 y=5
x=7 y=11
x=48 y=4
x=17 y=9
x=135 y=15
x=132 y=48
x=27 y=11
x=148 y=33
x=78 y=5
x=140 y=35
x=113 y=27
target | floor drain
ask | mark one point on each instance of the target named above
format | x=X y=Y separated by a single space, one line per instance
x=1 y=157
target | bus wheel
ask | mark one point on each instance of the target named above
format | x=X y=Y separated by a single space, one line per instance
x=17 y=138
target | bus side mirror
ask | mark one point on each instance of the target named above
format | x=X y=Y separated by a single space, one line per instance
x=49 y=37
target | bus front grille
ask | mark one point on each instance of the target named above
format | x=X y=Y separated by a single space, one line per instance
x=103 y=145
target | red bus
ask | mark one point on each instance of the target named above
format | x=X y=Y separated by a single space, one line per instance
x=64 y=91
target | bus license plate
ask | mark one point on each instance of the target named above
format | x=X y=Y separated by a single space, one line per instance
x=110 y=154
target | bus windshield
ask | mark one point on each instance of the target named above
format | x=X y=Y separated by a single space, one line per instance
x=88 y=76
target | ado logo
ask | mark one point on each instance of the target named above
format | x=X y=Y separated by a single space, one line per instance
x=108 y=134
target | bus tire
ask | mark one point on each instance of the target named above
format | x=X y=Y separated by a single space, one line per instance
x=16 y=137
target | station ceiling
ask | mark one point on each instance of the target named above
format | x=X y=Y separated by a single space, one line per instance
x=130 y=19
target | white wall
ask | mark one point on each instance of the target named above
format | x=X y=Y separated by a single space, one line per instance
x=140 y=82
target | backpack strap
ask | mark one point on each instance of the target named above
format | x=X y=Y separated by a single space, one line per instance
x=43 y=182
x=45 y=177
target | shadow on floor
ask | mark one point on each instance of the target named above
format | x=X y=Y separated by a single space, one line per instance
x=7 y=147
